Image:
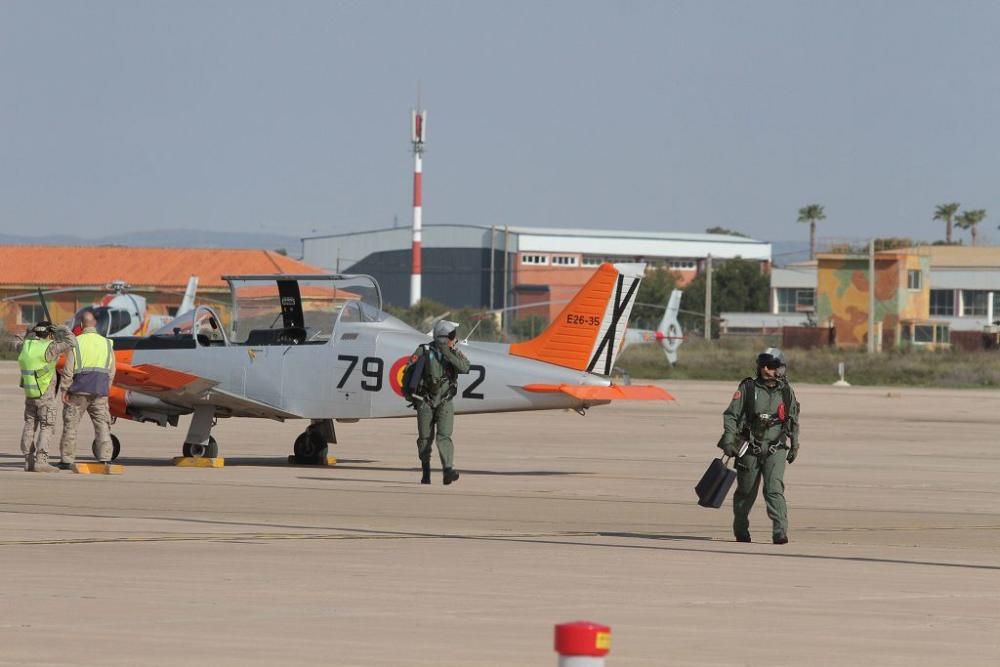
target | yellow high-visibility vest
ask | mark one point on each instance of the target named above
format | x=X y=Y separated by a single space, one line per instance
x=36 y=372
x=92 y=353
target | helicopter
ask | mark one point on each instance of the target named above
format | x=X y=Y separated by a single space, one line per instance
x=119 y=313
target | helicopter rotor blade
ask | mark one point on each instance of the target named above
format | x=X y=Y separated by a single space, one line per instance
x=45 y=306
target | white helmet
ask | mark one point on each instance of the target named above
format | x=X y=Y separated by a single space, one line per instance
x=445 y=329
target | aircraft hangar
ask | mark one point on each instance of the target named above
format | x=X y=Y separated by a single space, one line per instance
x=493 y=267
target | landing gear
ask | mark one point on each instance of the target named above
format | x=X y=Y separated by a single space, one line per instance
x=199 y=442
x=116 y=448
x=209 y=450
x=311 y=447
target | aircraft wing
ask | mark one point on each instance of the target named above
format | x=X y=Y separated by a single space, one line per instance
x=188 y=391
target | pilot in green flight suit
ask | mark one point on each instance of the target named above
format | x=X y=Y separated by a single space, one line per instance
x=435 y=409
x=765 y=414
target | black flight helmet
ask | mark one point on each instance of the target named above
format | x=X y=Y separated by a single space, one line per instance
x=43 y=329
x=771 y=358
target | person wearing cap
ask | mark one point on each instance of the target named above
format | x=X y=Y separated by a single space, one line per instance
x=37 y=356
x=88 y=373
x=764 y=414
x=434 y=399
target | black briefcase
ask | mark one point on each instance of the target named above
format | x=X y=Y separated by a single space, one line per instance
x=715 y=484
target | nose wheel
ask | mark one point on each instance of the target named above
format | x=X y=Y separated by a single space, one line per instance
x=198 y=451
x=310 y=448
x=116 y=448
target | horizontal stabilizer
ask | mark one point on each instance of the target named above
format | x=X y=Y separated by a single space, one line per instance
x=616 y=392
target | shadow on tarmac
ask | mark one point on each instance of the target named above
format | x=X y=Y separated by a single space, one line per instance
x=464 y=471
x=654 y=536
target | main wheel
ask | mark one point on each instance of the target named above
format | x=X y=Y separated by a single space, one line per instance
x=310 y=449
x=116 y=448
x=198 y=451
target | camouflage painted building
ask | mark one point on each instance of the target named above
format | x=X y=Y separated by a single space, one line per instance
x=902 y=298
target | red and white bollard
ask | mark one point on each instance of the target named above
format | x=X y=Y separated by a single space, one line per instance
x=582 y=644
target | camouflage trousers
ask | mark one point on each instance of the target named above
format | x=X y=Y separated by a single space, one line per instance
x=39 y=425
x=436 y=422
x=97 y=408
x=750 y=471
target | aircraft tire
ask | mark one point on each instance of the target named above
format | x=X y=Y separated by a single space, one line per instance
x=310 y=449
x=209 y=451
x=116 y=447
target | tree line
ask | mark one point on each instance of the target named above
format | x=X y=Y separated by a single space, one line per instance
x=948 y=213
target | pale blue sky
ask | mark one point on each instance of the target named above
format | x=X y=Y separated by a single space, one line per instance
x=675 y=116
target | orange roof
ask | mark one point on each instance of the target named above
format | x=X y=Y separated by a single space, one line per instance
x=66 y=266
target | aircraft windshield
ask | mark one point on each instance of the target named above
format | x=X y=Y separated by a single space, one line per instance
x=299 y=310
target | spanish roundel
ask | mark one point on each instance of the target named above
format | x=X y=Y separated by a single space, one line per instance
x=396 y=374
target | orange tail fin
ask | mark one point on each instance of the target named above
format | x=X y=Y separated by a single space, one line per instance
x=587 y=334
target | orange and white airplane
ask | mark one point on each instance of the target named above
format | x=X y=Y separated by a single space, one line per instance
x=319 y=348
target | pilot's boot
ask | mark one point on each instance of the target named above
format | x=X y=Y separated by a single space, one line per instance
x=450 y=475
x=29 y=463
x=426 y=469
x=42 y=464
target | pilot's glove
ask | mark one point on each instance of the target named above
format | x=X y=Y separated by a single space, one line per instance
x=792 y=453
x=728 y=445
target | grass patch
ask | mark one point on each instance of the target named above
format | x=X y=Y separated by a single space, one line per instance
x=8 y=349
x=732 y=359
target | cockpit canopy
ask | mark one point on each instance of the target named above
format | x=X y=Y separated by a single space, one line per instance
x=300 y=309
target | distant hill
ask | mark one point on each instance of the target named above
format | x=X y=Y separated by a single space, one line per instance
x=170 y=238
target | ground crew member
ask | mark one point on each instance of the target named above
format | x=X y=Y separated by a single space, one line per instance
x=433 y=399
x=765 y=415
x=89 y=372
x=37 y=356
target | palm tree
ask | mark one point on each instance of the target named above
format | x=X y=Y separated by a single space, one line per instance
x=947 y=213
x=969 y=220
x=812 y=214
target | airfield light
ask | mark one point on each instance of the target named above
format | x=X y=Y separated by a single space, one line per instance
x=582 y=644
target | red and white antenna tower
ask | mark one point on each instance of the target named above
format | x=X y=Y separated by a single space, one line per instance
x=418 y=130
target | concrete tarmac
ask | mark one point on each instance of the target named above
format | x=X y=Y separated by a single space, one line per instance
x=894 y=556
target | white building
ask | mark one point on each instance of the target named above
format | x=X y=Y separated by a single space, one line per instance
x=487 y=267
